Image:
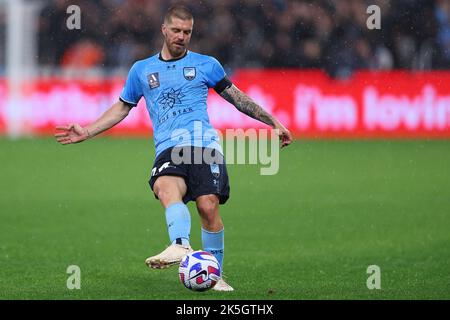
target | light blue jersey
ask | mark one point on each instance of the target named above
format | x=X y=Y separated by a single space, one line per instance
x=175 y=92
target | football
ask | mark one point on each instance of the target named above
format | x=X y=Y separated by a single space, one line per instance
x=199 y=271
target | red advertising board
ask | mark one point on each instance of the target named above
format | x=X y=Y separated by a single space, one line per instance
x=383 y=104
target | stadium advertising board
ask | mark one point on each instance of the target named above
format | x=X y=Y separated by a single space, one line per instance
x=369 y=105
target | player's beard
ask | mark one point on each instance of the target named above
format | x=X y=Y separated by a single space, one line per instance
x=176 y=51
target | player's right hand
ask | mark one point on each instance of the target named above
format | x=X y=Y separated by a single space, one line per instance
x=73 y=133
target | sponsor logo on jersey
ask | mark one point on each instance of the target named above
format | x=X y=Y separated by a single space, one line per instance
x=153 y=80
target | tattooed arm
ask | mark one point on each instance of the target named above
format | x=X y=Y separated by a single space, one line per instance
x=246 y=105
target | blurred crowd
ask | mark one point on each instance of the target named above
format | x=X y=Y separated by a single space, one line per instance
x=327 y=34
x=2 y=41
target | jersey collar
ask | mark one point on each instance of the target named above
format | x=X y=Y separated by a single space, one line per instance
x=172 y=60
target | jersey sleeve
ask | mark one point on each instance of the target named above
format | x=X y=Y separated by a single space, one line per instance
x=215 y=73
x=216 y=77
x=132 y=91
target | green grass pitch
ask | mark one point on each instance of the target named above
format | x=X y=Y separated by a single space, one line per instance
x=309 y=232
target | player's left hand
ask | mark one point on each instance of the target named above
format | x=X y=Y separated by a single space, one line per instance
x=284 y=134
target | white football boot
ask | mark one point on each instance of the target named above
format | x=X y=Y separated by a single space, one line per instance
x=169 y=257
x=221 y=285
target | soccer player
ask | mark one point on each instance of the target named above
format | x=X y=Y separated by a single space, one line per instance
x=175 y=85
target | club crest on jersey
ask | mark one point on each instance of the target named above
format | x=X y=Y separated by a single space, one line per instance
x=189 y=73
x=153 y=80
x=215 y=170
